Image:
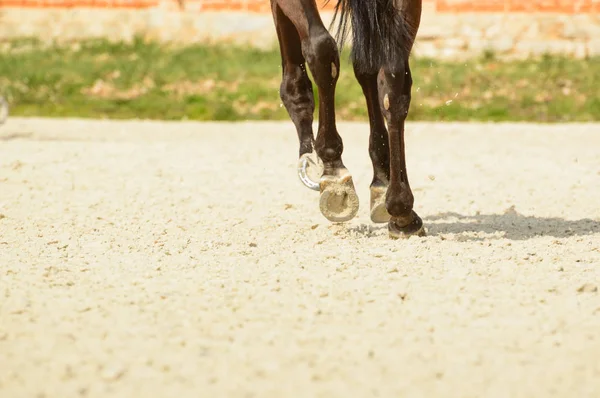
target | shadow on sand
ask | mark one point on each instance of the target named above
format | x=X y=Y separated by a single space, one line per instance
x=510 y=225
x=15 y=136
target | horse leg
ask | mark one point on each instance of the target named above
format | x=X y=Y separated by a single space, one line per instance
x=338 y=201
x=378 y=146
x=395 y=83
x=297 y=96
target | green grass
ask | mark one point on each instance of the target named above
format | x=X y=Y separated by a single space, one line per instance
x=217 y=82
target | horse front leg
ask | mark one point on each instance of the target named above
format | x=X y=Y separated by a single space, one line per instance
x=338 y=201
x=297 y=96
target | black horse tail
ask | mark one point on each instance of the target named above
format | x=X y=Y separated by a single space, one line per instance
x=380 y=32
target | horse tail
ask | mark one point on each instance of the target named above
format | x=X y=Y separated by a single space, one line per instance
x=381 y=35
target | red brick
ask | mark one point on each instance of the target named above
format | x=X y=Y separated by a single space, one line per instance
x=263 y=6
x=79 y=3
x=470 y=5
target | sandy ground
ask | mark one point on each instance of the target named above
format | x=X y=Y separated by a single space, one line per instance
x=144 y=259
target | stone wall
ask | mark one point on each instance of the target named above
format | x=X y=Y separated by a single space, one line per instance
x=449 y=28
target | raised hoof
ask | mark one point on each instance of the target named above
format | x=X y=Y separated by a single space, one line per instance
x=338 y=202
x=414 y=228
x=379 y=213
x=310 y=169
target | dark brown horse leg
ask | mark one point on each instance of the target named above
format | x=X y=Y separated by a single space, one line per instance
x=338 y=201
x=297 y=96
x=379 y=150
x=394 y=95
x=296 y=88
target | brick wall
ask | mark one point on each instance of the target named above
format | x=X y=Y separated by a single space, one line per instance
x=452 y=6
x=449 y=28
x=554 y=6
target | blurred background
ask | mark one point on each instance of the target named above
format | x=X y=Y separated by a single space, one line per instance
x=485 y=60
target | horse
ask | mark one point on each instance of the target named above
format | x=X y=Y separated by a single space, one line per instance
x=383 y=34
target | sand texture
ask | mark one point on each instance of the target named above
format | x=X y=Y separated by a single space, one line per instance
x=154 y=259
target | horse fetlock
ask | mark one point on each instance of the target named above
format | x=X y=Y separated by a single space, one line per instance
x=330 y=149
x=399 y=203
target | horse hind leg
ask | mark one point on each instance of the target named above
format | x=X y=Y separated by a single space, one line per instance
x=378 y=146
x=383 y=36
x=395 y=97
x=395 y=86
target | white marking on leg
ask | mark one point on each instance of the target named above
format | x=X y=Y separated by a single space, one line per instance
x=386 y=102
x=333 y=70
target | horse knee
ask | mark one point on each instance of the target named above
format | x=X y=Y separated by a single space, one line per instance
x=296 y=94
x=296 y=87
x=321 y=53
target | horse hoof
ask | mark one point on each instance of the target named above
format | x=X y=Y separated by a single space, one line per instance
x=413 y=228
x=339 y=201
x=379 y=213
x=310 y=169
